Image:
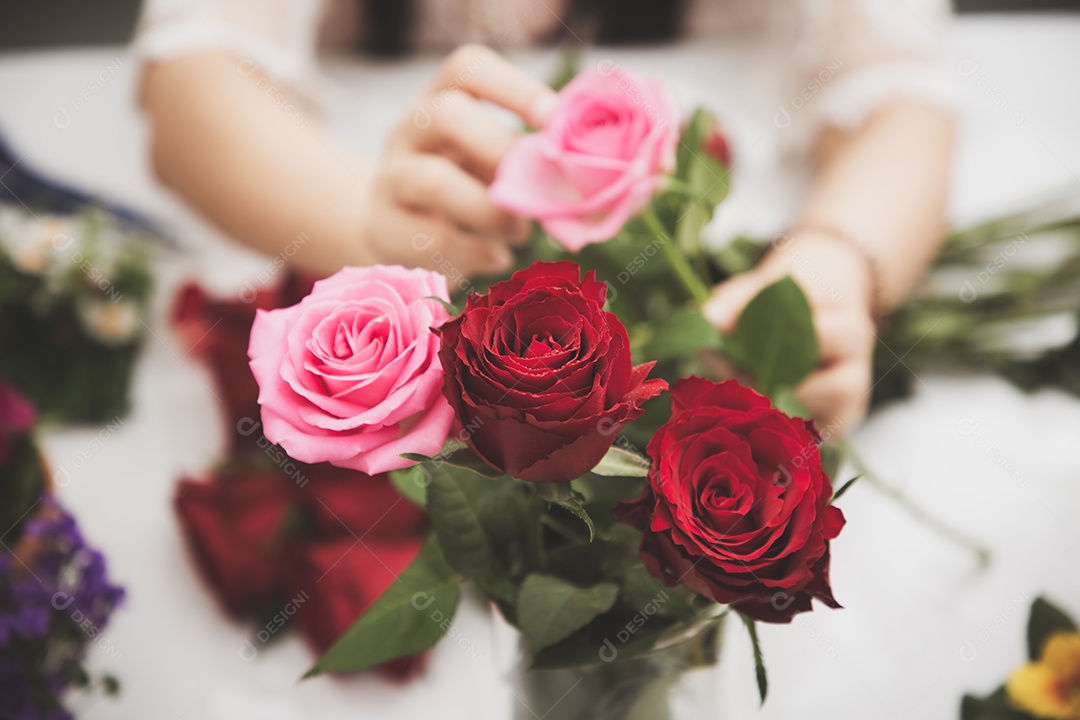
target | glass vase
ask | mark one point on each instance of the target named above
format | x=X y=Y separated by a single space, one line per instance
x=674 y=682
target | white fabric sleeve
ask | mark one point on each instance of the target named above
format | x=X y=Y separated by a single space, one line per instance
x=854 y=56
x=276 y=38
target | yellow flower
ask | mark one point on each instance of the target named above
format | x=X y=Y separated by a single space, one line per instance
x=1050 y=688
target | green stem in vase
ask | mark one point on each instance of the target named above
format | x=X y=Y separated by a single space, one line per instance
x=690 y=280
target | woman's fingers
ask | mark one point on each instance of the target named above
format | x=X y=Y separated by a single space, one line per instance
x=420 y=239
x=484 y=74
x=434 y=184
x=463 y=128
x=842 y=334
x=837 y=396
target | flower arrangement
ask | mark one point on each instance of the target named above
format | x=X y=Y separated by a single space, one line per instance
x=72 y=291
x=530 y=424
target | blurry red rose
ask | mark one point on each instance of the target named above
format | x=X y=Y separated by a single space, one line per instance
x=217 y=329
x=234 y=524
x=539 y=374
x=716 y=145
x=336 y=581
x=343 y=502
x=737 y=504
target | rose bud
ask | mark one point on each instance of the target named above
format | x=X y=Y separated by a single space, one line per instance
x=716 y=145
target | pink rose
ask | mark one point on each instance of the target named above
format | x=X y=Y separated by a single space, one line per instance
x=597 y=162
x=351 y=374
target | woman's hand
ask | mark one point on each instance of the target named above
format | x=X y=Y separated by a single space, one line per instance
x=427 y=203
x=837 y=282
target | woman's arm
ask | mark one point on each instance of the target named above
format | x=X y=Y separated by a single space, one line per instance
x=223 y=143
x=871 y=225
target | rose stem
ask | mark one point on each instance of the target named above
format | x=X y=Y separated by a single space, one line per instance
x=697 y=289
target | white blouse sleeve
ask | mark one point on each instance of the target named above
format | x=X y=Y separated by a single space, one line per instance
x=856 y=55
x=276 y=38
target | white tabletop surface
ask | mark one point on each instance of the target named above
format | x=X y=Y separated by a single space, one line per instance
x=922 y=624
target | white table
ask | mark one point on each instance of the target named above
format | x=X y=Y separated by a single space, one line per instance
x=922 y=625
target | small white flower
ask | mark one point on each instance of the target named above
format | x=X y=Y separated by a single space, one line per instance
x=108 y=321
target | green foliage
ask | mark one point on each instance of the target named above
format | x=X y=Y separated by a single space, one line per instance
x=410 y=617
x=759 y=660
x=622 y=463
x=1045 y=620
x=774 y=337
x=564 y=496
x=550 y=609
x=412 y=483
x=479 y=523
x=684 y=332
x=992 y=707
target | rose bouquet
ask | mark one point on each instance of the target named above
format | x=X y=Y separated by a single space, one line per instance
x=614 y=526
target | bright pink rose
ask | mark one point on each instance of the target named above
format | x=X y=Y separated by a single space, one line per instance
x=351 y=374
x=597 y=162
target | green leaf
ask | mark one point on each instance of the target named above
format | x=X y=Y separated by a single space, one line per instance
x=409 y=618
x=642 y=590
x=551 y=609
x=412 y=483
x=785 y=401
x=774 y=338
x=450 y=307
x=692 y=137
x=992 y=707
x=684 y=333
x=564 y=496
x=622 y=463
x=759 y=660
x=1045 y=620
x=463 y=457
x=569 y=66
x=111 y=685
x=479 y=522
x=844 y=488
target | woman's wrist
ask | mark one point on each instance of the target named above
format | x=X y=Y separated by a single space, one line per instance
x=830 y=266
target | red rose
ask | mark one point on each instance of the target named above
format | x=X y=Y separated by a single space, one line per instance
x=737 y=506
x=336 y=581
x=540 y=376
x=234 y=524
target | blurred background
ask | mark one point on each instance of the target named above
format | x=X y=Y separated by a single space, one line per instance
x=28 y=25
x=924 y=623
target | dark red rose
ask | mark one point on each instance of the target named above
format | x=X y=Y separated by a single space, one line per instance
x=235 y=525
x=540 y=376
x=737 y=505
x=336 y=581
